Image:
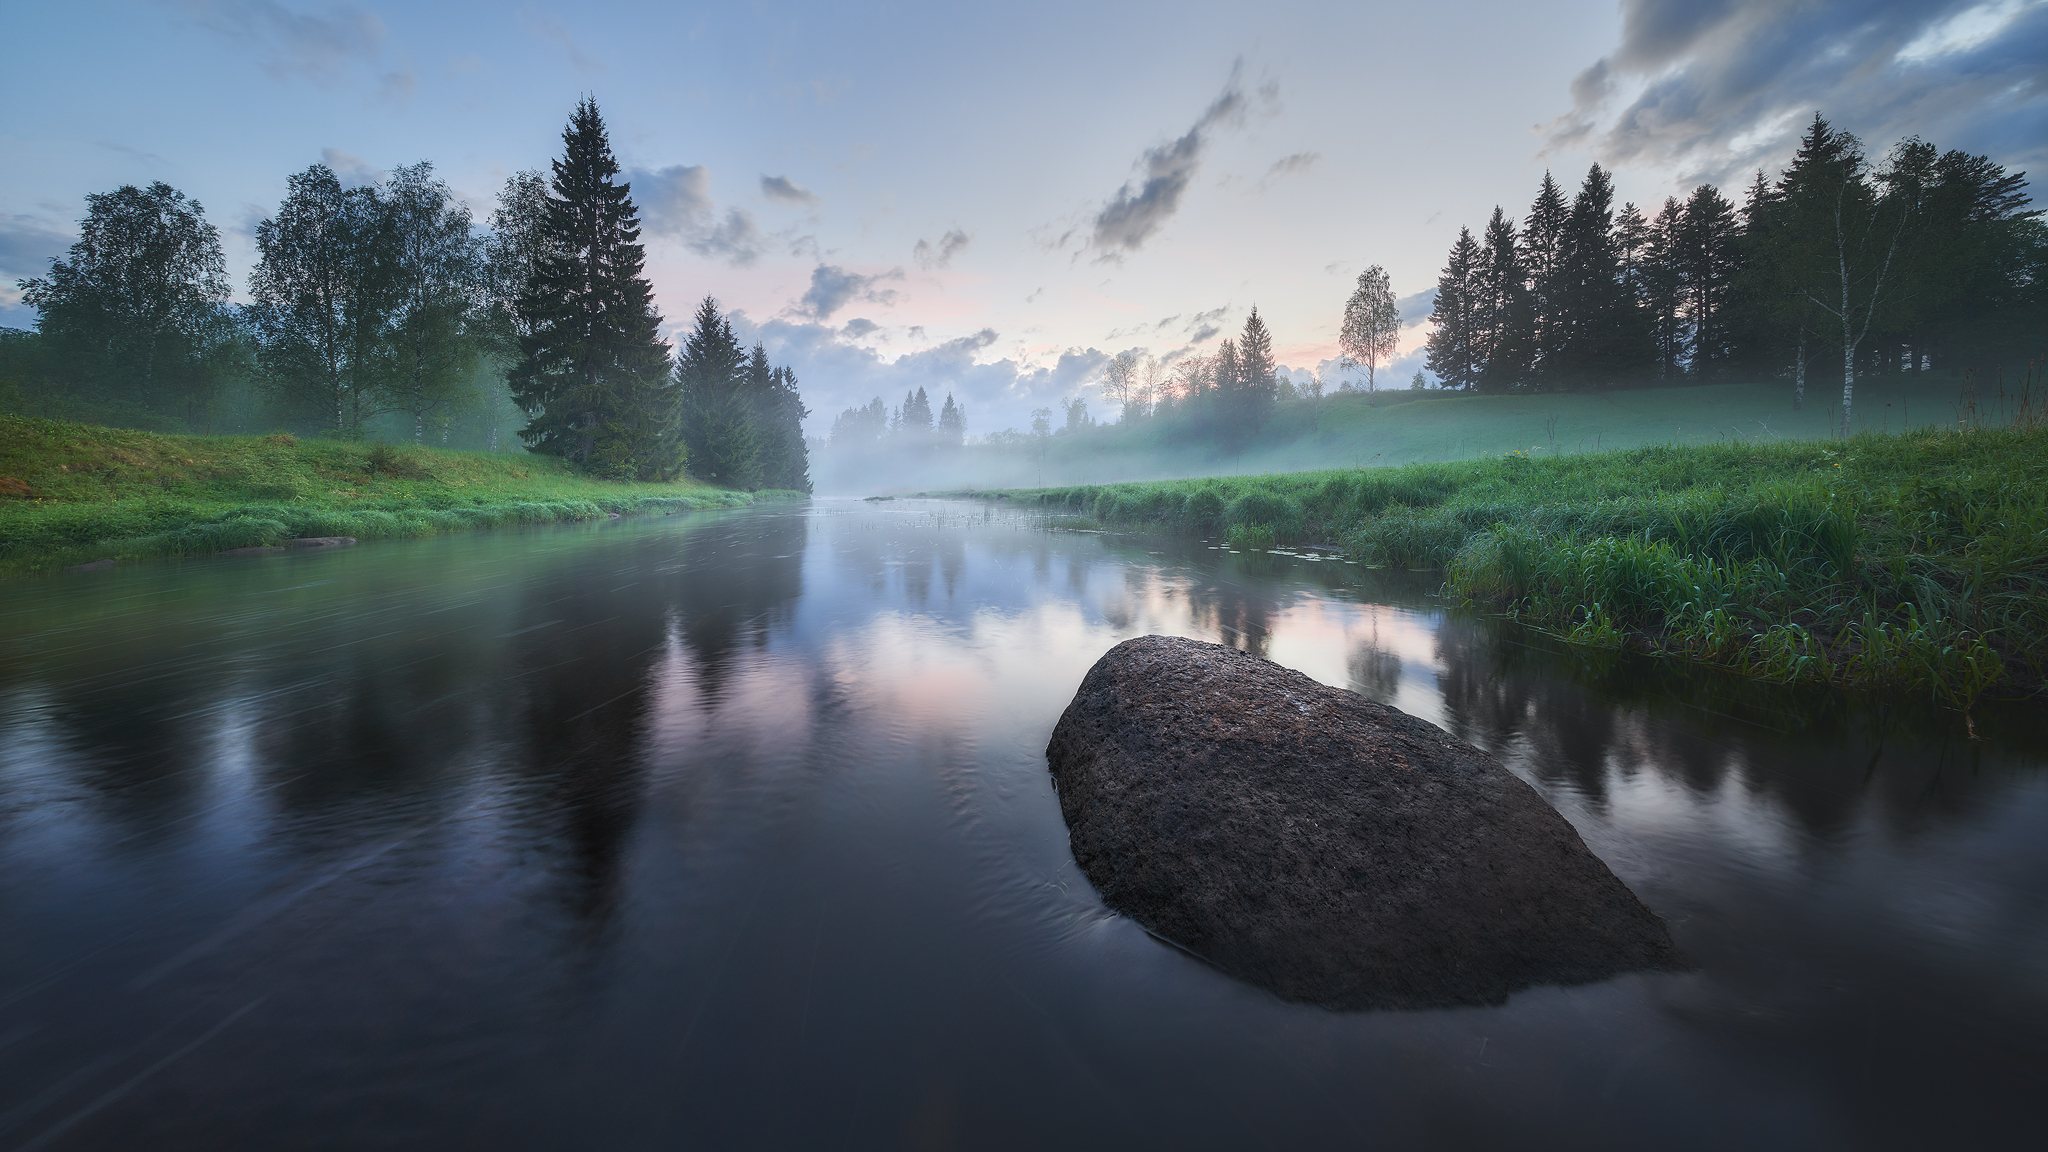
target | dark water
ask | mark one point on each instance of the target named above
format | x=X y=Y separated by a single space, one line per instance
x=734 y=831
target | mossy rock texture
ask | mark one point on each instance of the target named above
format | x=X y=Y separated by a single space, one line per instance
x=1325 y=847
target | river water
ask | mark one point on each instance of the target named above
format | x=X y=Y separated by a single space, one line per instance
x=734 y=830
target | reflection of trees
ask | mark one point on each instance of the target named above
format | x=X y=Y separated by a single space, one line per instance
x=1374 y=673
x=1820 y=754
x=1239 y=615
x=740 y=580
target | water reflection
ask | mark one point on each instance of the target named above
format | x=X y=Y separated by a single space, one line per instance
x=735 y=829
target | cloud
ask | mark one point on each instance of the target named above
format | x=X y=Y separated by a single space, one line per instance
x=833 y=288
x=676 y=202
x=1713 y=89
x=835 y=375
x=26 y=247
x=929 y=255
x=353 y=171
x=1203 y=333
x=1294 y=165
x=788 y=191
x=1417 y=308
x=292 y=45
x=1137 y=211
x=859 y=327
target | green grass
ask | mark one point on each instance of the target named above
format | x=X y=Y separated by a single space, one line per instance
x=1915 y=562
x=74 y=493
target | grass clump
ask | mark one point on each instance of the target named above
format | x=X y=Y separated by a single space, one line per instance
x=1911 y=562
x=72 y=493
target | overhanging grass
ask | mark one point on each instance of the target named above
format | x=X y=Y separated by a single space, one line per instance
x=72 y=493
x=1915 y=561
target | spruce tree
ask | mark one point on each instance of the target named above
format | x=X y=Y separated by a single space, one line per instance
x=1662 y=289
x=592 y=367
x=1502 y=311
x=1543 y=257
x=1707 y=260
x=952 y=423
x=787 y=456
x=1599 y=335
x=717 y=413
x=1453 y=352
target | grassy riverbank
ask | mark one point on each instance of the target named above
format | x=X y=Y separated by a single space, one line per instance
x=1915 y=562
x=74 y=493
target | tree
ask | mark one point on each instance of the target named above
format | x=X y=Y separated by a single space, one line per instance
x=440 y=329
x=1452 y=351
x=1660 y=289
x=952 y=423
x=1543 y=259
x=777 y=415
x=1705 y=255
x=1246 y=384
x=716 y=411
x=136 y=309
x=325 y=287
x=1597 y=336
x=1502 y=311
x=1843 y=239
x=1077 y=414
x=1372 y=324
x=1041 y=439
x=592 y=368
x=914 y=418
x=1121 y=380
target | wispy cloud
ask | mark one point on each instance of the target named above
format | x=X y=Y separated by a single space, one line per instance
x=291 y=45
x=1294 y=165
x=1142 y=206
x=676 y=202
x=788 y=191
x=353 y=171
x=929 y=255
x=1711 y=89
x=543 y=27
x=833 y=288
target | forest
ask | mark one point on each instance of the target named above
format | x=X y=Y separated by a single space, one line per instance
x=384 y=311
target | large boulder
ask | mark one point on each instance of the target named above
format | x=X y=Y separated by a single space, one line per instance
x=1333 y=850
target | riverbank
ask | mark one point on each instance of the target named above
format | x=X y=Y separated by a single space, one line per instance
x=1912 y=562
x=78 y=493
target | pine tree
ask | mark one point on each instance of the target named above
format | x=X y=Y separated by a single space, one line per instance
x=1662 y=290
x=952 y=423
x=1600 y=337
x=1707 y=258
x=914 y=419
x=1543 y=260
x=1502 y=311
x=788 y=455
x=592 y=367
x=1453 y=352
x=717 y=415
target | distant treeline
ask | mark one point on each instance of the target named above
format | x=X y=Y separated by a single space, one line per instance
x=1838 y=268
x=385 y=308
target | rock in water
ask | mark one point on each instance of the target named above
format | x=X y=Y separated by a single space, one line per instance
x=1333 y=850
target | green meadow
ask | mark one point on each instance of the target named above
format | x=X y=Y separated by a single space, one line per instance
x=78 y=493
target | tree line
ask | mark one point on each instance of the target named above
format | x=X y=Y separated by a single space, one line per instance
x=1840 y=266
x=387 y=301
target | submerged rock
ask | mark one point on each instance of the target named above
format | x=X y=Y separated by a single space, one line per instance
x=1333 y=850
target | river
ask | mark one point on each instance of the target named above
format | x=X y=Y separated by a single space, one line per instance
x=734 y=830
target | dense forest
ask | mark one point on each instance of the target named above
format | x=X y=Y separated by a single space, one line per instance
x=1840 y=268
x=385 y=311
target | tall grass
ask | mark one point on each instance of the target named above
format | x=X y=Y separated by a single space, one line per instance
x=1913 y=562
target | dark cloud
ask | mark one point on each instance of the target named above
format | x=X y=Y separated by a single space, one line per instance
x=788 y=191
x=859 y=327
x=300 y=45
x=1139 y=209
x=1203 y=333
x=833 y=288
x=1713 y=88
x=676 y=202
x=929 y=255
x=1417 y=308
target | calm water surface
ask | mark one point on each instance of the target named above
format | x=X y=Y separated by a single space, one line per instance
x=734 y=830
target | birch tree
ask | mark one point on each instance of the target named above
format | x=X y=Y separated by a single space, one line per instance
x=1372 y=324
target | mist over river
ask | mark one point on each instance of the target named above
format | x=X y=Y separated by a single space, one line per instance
x=734 y=830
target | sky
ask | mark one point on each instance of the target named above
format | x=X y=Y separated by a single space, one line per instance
x=991 y=201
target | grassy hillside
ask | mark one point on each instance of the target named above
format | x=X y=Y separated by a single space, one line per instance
x=1915 y=561
x=72 y=493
